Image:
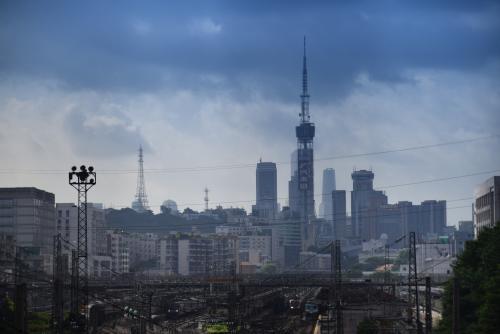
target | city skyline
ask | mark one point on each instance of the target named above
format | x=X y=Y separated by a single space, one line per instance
x=232 y=111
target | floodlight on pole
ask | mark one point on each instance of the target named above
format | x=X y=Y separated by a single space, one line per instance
x=82 y=180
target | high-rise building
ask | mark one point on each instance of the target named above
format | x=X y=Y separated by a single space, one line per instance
x=339 y=214
x=266 y=190
x=487 y=204
x=325 y=208
x=27 y=215
x=432 y=218
x=301 y=184
x=364 y=203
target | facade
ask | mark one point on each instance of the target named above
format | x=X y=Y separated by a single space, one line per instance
x=199 y=255
x=364 y=204
x=339 y=215
x=27 y=216
x=142 y=247
x=266 y=190
x=487 y=204
x=432 y=220
x=66 y=223
x=329 y=185
x=117 y=248
x=255 y=249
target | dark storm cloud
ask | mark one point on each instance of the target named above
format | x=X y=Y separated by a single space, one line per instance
x=242 y=47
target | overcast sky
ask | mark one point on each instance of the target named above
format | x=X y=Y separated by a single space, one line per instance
x=217 y=83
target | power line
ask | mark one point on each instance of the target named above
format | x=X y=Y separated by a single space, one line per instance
x=379 y=187
x=252 y=165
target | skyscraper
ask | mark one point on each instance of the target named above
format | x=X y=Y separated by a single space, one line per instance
x=364 y=204
x=325 y=208
x=266 y=190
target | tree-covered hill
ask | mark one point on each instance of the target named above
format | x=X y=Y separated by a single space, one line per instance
x=132 y=221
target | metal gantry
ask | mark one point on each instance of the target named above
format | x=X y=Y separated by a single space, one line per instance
x=82 y=181
x=413 y=283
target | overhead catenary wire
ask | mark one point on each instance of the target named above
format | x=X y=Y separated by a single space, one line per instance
x=425 y=181
x=251 y=165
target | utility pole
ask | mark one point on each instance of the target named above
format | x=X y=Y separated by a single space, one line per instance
x=82 y=181
x=428 y=306
x=57 y=286
x=74 y=285
x=338 y=289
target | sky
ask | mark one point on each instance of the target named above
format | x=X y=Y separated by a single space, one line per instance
x=210 y=87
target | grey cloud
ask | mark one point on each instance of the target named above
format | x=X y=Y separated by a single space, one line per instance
x=106 y=133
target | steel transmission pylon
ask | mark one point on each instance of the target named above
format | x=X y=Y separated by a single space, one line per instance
x=140 y=203
x=413 y=283
x=82 y=181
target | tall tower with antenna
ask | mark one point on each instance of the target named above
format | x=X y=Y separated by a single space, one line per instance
x=301 y=184
x=206 y=198
x=140 y=203
x=305 y=152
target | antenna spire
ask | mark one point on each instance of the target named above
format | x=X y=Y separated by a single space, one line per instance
x=304 y=113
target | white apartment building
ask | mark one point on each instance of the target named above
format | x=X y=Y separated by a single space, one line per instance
x=255 y=249
x=117 y=248
x=142 y=247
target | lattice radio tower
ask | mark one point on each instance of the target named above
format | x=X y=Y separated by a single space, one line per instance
x=141 y=198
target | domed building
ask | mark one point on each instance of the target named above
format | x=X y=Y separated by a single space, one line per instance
x=172 y=205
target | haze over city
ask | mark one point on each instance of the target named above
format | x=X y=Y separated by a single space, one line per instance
x=218 y=85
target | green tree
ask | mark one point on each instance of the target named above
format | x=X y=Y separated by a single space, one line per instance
x=477 y=271
x=367 y=326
